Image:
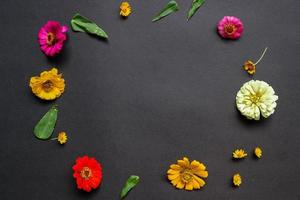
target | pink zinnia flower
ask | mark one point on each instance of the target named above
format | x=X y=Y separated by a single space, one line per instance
x=51 y=38
x=230 y=27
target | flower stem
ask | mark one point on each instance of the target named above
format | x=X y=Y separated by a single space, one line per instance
x=261 y=57
x=53 y=138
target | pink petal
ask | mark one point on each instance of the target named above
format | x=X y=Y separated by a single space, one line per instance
x=64 y=29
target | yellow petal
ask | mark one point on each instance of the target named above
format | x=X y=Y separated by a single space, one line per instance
x=187 y=162
x=171 y=171
x=175 y=181
x=173 y=176
x=54 y=71
x=202 y=166
x=195 y=164
x=180 y=185
x=189 y=186
x=203 y=174
x=182 y=163
x=175 y=167
x=199 y=180
x=196 y=185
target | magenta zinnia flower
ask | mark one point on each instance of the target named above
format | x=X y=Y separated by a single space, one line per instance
x=51 y=38
x=230 y=27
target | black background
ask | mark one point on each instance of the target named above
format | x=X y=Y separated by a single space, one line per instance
x=151 y=94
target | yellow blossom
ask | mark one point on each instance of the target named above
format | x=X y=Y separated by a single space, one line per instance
x=239 y=153
x=237 y=180
x=187 y=175
x=258 y=152
x=125 y=9
x=49 y=85
x=256 y=98
x=62 y=137
x=250 y=67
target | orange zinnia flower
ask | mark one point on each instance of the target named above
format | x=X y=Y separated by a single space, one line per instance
x=250 y=66
x=88 y=173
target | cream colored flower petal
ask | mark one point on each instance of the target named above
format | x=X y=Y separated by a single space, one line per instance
x=256 y=98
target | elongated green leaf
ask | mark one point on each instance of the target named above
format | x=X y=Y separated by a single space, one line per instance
x=131 y=182
x=172 y=6
x=195 y=6
x=44 y=128
x=83 y=24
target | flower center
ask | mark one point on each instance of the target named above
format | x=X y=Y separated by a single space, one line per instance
x=187 y=176
x=47 y=86
x=86 y=173
x=230 y=29
x=255 y=98
x=250 y=67
x=51 y=39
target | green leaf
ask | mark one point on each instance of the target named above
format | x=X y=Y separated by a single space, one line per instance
x=44 y=128
x=131 y=182
x=172 y=6
x=195 y=6
x=83 y=24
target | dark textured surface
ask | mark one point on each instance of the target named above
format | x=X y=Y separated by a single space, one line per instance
x=150 y=95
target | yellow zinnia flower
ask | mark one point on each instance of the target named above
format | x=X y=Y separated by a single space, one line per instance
x=258 y=152
x=62 y=137
x=186 y=175
x=125 y=9
x=49 y=85
x=237 y=180
x=239 y=153
x=256 y=98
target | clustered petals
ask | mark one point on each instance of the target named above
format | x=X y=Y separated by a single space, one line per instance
x=49 y=85
x=237 y=180
x=187 y=175
x=258 y=152
x=88 y=173
x=230 y=27
x=62 y=138
x=250 y=67
x=256 y=98
x=51 y=38
x=239 y=153
x=125 y=9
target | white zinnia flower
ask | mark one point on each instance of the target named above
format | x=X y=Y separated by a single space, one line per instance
x=256 y=98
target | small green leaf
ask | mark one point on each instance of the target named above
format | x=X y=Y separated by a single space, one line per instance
x=83 y=24
x=195 y=6
x=172 y=6
x=44 y=128
x=131 y=182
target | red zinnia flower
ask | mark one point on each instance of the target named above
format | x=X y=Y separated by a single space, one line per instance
x=88 y=173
